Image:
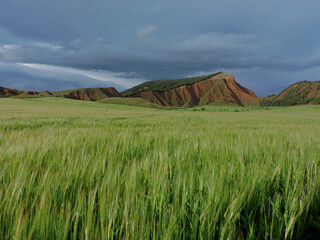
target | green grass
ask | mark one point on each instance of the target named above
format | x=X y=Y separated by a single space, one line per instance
x=25 y=95
x=71 y=170
x=139 y=102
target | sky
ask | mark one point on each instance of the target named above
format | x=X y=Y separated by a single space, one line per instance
x=65 y=44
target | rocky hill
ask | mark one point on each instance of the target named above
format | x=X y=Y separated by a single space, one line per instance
x=88 y=94
x=303 y=92
x=216 y=88
x=8 y=92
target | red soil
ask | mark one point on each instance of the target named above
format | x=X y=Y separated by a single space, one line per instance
x=7 y=92
x=311 y=89
x=92 y=94
x=221 y=88
x=46 y=94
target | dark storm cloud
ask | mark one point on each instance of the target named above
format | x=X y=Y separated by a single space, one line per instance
x=148 y=39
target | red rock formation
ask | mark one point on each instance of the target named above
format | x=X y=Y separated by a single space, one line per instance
x=220 y=88
x=303 y=89
x=29 y=93
x=46 y=94
x=91 y=94
x=7 y=92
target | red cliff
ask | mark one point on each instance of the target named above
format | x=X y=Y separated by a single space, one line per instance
x=221 y=88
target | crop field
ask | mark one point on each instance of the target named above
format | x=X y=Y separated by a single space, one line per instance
x=72 y=170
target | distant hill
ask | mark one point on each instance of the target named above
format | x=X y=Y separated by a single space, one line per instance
x=88 y=94
x=299 y=93
x=7 y=92
x=189 y=92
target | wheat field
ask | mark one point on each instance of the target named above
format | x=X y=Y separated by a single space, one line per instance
x=72 y=170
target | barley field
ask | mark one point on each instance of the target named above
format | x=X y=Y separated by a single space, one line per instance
x=72 y=170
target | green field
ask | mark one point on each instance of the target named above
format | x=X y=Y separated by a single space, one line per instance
x=72 y=170
x=130 y=102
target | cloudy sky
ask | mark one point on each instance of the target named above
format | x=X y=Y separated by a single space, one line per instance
x=63 y=44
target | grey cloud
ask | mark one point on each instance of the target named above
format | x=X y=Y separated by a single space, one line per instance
x=146 y=31
x=46 y=77
x=154 y=40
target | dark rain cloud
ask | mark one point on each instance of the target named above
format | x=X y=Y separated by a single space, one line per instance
x=266 y=44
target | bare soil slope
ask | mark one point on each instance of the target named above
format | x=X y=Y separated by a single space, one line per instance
x=88 y=94
x=305 y=89
x=7 y=92
x=219 y=88
x=299 y=93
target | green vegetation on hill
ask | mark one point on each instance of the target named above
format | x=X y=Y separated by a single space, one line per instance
x=316 y=101
x=71 y=170
x=165 y=85
x=66 y=92
x=294 y=96
x=290 y=101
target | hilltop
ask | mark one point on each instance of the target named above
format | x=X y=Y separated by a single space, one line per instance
x=219 y=87
x=9 y=92
x=165 y=85
x=299 y=93
x=88 y=94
